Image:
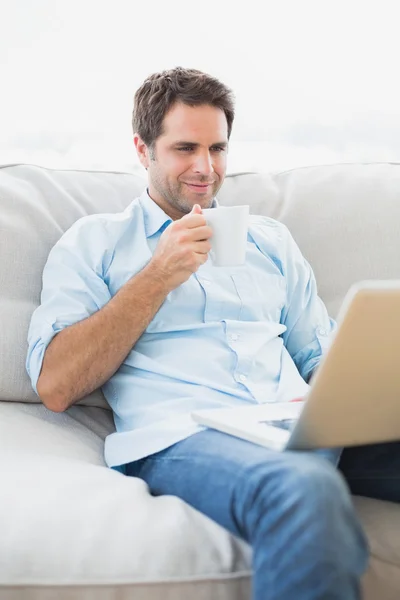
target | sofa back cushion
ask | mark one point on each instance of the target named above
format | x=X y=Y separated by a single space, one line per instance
x=36 y=206
x=346 y=220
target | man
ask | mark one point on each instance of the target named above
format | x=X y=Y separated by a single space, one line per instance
x=131 y=302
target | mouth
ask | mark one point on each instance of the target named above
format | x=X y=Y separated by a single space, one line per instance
x=199 y=187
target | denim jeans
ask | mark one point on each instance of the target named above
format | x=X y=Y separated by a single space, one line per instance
x=294 y=508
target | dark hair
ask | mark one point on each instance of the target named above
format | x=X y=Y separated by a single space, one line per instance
x=160 y=91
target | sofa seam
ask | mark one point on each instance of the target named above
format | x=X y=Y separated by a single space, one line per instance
x=223 y=577
x=233 y=174
x=384 y=560
x=23 y=164
x=73 y=170
x=378 y=162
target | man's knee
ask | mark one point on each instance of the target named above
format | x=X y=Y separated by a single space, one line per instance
x=302 y=484
x=313 y=480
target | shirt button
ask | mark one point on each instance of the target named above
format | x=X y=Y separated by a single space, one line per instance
x=206 y=282
x=242 y=377
x=322 y=331
x=234 y=337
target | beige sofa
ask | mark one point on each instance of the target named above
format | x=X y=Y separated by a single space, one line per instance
x=69 y=527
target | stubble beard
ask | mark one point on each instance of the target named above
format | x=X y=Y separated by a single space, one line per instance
x=175 y=195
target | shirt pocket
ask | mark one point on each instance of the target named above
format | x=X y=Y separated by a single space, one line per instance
x=262 y=296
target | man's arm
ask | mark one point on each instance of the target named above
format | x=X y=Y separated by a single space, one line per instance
x=309 y=327
x=83 y=356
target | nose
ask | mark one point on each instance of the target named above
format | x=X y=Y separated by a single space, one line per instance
x=203 y=163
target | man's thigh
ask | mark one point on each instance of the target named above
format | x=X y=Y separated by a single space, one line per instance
x=212 y=471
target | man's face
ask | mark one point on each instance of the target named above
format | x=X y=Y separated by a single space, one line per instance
x=188 y=164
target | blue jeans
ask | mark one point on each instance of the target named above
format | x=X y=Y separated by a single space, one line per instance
x=294 y=508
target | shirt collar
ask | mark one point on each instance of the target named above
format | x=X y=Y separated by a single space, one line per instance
x=154 y=216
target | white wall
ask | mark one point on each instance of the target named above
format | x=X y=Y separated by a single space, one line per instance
x=316 y=81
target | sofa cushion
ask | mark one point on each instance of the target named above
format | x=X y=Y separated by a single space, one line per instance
x=66 y=519
x=345 y=218
x=37 y=206
x=73 y=529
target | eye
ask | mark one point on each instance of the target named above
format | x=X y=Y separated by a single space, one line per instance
x=185 y=149
x=218 y=149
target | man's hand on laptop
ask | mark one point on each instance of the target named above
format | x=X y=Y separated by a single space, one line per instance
x=182 y=249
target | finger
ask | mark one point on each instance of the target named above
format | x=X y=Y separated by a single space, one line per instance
x=196 y=210
x=203 y=258
x=200 y=233
x=202 y=247
x=192 y=220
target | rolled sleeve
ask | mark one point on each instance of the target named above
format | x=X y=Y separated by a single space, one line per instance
x=73 y=288
x=309 y=327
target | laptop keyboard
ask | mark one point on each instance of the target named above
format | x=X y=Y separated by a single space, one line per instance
x=287 y=424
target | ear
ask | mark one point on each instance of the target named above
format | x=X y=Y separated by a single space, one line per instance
x=142 y=150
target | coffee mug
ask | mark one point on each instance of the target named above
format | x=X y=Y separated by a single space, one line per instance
x=229 y=239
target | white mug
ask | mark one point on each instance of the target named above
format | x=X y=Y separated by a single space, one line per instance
x=229 y=239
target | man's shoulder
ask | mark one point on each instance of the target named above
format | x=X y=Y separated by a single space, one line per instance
x=108 y=223
x=94 y=236
x=267 y=226
x=271 y=237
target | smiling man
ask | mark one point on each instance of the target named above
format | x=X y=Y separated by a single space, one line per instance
x=131 y=303
x=189 y=163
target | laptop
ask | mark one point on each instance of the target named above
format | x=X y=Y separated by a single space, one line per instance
x=354 y=396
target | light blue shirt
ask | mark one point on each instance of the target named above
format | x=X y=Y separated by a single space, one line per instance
x=227 y=336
